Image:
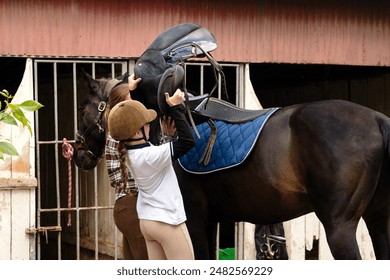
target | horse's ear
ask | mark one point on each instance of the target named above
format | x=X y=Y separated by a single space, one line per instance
x=85 y=74
x=93 y=85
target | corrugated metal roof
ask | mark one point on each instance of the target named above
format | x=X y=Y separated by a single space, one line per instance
x=351 y=32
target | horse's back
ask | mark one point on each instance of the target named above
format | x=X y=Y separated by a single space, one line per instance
x=303 y=152
x=338 y=128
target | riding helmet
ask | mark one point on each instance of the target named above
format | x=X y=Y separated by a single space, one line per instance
x=127 y=117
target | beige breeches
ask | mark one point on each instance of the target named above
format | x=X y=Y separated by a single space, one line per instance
x=167 y=242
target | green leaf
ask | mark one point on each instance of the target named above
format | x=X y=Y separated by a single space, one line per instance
x=31 y=105
x=13 y=106
x=8 y=119
x=8 y=148
x=29 y=128
x=19 y=115
x=2 y=115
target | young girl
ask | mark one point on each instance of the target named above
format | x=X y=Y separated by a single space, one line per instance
x=160 y=205
x=125 y=214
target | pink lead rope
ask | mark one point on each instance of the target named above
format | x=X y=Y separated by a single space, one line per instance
x=67 y=152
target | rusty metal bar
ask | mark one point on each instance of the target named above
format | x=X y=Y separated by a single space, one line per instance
x=34 y=230
x=38 y=166
x=65 y=209
x=56 y=157
x=76 y=179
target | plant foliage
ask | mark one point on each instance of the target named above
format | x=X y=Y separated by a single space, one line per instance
x=14 y=114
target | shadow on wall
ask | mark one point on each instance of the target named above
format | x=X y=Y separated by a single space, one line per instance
x=11 y=74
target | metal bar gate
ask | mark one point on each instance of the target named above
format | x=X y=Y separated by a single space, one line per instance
x=59 y=86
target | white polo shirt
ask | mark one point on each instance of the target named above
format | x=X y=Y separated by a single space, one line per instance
x=159 y=197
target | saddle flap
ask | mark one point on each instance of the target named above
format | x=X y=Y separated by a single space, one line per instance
x=150 y=64
x=150 y=68
x=170 y=81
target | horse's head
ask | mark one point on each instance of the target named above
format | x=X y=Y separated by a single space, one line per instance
x=91 y=136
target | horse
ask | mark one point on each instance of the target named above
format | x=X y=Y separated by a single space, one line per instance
x=328 y=157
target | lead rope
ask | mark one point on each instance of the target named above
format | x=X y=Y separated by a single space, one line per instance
x=67 y=152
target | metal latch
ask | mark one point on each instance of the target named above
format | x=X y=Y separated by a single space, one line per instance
x=44 y=230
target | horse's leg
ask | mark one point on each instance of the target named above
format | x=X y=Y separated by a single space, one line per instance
x=377 y=218
x=341 y=182
x=340 y=211
x=198 y=223
x=378 y=226
x=341 y=237
x=211 y=232
x=200 y=238
x=203 y=236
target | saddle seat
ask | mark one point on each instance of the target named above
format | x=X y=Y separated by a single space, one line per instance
x=205 y=107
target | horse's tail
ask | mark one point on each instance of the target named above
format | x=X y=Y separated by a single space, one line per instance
x=384 y=125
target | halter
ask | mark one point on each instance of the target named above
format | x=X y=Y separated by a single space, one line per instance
x=97 y=122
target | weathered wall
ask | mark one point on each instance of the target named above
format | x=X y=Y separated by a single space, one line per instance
x=18 y=184
x=354 y=32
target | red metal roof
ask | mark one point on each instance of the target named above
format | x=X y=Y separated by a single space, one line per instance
x=351 y=32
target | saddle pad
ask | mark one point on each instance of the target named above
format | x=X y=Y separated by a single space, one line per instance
x=233 y=144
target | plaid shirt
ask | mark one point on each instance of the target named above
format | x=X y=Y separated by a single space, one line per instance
x=114 y=170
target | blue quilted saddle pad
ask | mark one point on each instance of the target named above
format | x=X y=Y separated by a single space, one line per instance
x=233 y=144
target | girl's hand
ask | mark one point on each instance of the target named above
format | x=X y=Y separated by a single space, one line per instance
x=169 y=126
x=175 y=99
x=133 y=82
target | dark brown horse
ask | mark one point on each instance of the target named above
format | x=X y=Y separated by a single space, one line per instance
x=328 y=157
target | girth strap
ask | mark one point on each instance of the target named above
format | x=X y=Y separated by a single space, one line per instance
x=205 y=157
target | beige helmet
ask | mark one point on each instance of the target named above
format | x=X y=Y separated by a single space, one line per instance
x=127 y=117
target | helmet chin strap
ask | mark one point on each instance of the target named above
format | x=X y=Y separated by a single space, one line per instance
x=144 y=134
x=139 y=138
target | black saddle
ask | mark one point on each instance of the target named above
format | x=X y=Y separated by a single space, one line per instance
x=161 y=66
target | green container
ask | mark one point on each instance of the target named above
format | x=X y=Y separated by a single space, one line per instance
x=226 y=254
